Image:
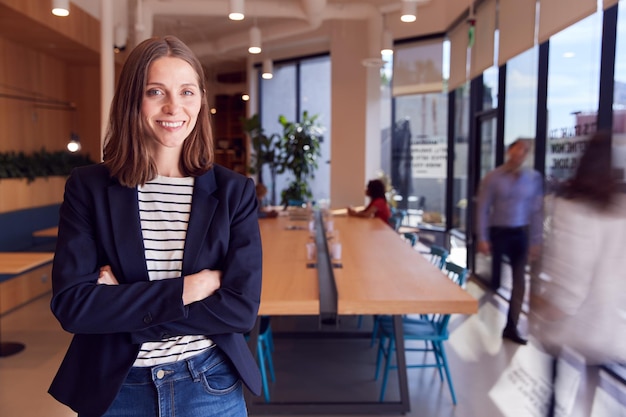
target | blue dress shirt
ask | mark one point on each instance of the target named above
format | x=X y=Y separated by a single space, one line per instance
x=511 y=199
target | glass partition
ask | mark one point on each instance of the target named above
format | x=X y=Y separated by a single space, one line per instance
x=419 y=159
x=619 y=95
x=520 y=115
x=573 y=89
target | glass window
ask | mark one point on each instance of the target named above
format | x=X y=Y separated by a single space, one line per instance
x=573 y=88
x=619 y=96
x=461 y=157
x=490 y=84
x=315 y=73
x=520 y=115
x=419 y=133
x=419 y=154
x=296 y=87
x=385 y=123
x=278 y=98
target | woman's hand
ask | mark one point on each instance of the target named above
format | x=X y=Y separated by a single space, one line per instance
x=200 y=285
x=106 y=276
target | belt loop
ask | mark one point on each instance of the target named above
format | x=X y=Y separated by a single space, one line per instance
x=192 y=370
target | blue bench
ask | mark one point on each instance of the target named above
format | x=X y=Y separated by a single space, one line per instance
x=17 y=228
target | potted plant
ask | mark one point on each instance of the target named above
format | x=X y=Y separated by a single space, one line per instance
x=300 y=148
x=265 y=151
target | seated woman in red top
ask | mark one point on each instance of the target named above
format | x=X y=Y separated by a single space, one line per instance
x=378 y=206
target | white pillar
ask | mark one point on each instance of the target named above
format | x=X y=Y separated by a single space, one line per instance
x=107 y=64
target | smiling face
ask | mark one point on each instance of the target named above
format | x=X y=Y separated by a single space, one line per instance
x=171 y=102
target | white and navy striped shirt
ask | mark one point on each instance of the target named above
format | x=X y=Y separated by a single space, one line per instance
x=164 y=207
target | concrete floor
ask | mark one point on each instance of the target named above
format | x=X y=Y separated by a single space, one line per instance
x=492 y=377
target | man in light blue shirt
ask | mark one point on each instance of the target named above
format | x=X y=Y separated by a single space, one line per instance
x=510 y=219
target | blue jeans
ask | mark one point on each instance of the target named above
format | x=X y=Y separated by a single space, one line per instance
x=204 y=385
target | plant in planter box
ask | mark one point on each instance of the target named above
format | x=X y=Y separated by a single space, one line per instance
x=39 y=164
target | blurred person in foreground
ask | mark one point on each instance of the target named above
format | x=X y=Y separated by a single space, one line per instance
x=378 y=206
x=578 y=299
x=510 y=218
x=157 y=270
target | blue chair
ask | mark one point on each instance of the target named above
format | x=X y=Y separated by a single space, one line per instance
x=396 y=219
x=438 y=256
x=265 y=347
x=432 y=329
x=456 y=273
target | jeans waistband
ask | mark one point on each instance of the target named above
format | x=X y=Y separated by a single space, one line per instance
x=192 y=367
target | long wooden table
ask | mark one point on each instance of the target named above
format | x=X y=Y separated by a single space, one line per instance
x=12 y=263
x=289 y=286
x=49 y=232
x=380 y=274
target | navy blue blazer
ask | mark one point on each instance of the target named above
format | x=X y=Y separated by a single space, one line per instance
x=99 y=225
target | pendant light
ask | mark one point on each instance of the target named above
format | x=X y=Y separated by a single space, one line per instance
x=61 y=7
x=255 y=40
x=387 y=46
x=236 y=10
x=268 y=68
x=409 y=10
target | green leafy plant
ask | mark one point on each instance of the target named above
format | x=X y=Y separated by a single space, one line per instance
x=39 y=164
x=300 y=149
x=266 y=151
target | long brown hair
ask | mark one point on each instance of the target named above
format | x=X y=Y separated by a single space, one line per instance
x=594 y=180
x=126 y=151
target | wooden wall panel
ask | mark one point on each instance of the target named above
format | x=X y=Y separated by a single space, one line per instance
x=32 y=123
x=18 y=193
x=84 y=91
x=79 y=27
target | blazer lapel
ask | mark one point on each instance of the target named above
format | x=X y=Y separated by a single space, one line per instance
x=127 y=237
x=203 y=206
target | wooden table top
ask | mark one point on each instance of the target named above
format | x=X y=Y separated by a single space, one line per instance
x=381 y=273
x=289 y=287
x=49 y=232
x=18 y=262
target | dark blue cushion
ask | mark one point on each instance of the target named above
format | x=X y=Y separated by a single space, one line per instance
x=17 y=227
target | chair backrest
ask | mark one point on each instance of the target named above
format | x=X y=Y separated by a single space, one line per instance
x=438 y=256
x=395 y=221
x=457 y=273
x=397 y=216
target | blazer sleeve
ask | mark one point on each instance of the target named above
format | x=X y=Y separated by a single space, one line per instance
x=85 y=244
x=233 y=308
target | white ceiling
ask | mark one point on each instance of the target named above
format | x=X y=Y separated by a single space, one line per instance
x=289 y=28
x=286 y=25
